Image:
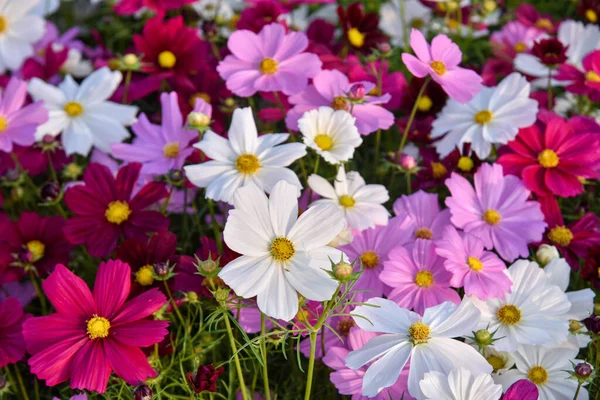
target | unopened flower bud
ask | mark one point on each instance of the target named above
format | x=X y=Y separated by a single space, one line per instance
x=208 y=266
x=357 y=92
x=483 y=337
x=574 y=326
x=176 y=176
x=384 y=47
x=191 y=297
x=48 y=139
x=210 y=29
x=161 y=269
x=50 y=192
x=583 y=370
x=342 y=271
x=130 y=60
x=407 y=162
x=222 y=295
x=198 y=120
x=546 y=253
x=142 y=392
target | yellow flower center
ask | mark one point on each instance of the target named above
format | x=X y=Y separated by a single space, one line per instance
x=438 y=67
x=282 y=249
x=438 y=170
x=520 y=47
x=36 y=249
x=475 y=264
x=117 y=212
x=347 y=201
x=247 y=163
x=323 y=141
x=452 y=23
x=73 y=109
x=3 y=24
x=544 y=23
x=3 y=124
x=538 y=375
x=369 y=259
x=465 y=164
x=592 y=76
x=419 y=332
x=97 y=327
x=423 y=233
x=356 y=38
x=339 y=103
x=496 y=362
x=200 y=95
x=548 y=158
x=561 y=235
x=424 y=278
x=417 y=23
x=591 y=16
x=268 y=66
x=483 y=117
x=171 y=150
x=424 y=103
x=509 y=314
x=145 y=275
x=490 y=6
x=167 y=59
x=72 y=170
x=492 y=217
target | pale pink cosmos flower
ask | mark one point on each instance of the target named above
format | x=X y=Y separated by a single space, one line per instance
x=269 y=61
x=418 y=277
x=440 y=61
x=480 y=272
x=424 y=212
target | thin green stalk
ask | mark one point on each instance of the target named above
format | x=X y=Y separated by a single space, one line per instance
x=173 y=304
x=550 y=89
x=126 y=88
x=236 y=359
x=377 y=146
x=316 y=171
x=167 y=200
x=412 y=115
x=408 y=189
x=21 y=384
x=52 y=169
x=263 y=347
x=39 y=292
x=215 y=225
x=577 y=391
x=311 y=364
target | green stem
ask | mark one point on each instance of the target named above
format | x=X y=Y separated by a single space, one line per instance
x=38 y=291
x=236 y=359
x=167 y=200
x=311 y=364
x=316 y=171
x=52 y=170
x=21 y=384
x=215 y=225
x=126 y=88
x=263 y=346
x=412 y=115
x=377 y=146
x=173 y=304
x=550 y=89
x=577 y=391
x=408 y=189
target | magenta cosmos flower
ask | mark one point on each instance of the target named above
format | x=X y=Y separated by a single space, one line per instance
x=418 y=277
x=423 y=210
x=17 y=123
x=159 y=148
x=496 y=211
x=440 y=61
x=331 y=88
x=480 y=272
x=93 y=334
x=269 y=61
x=12 y=344
x=586 y=82
x=105 y=209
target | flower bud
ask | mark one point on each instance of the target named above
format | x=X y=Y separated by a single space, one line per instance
x=574 y=326
x=483 y=337
x=198 y=120
x=50 y=192
x=221 y=295
x=176 y=176
x=208 y=266
x=546 y=253
x=342 y=271
x=583 y=370
x=205 y=378
x=142 y=392
x=384 y=47
x=210 y=29
x=130 y=61
x=161 y=269
x=357 y=92
x=407 y=162
x=592 y=323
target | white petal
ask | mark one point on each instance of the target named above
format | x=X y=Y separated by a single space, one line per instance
x=242 y=132
x=216 y=147
x=77 y=138
x=98 y=86
x=279 y=300
x=321 y=186
x=202 y=174
x=448 y=320
x=247 y=275
x=283 y=208
x=382 y=315
x=375 y=348
x=385 y=371
x=316 y=227
x=312 y=283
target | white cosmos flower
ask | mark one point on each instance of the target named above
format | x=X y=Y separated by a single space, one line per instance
x=391 y=22
x=332 y=134
x=83 y=113
x=218 y=10
x=494 y=116
x=361 y=203
x=46 y=7
x=533 y=313
x=546 y=367
x=426 y=341
x=20 y=28
x=283 y=255
x=460 y=384
x=243 y=158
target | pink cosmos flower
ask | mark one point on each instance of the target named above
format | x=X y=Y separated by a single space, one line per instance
x=440 y=61
x=129 y=7
x=93 y=334
x=480 y=272
x=496 y=211
x=423 y=209
x=349 y=381
x=585 y=83
x=12 y=344
x=330 y=88
x=393 y=83
x=159 y=148
x=514 y=38
x=418 y=277
x=269 y=61
x=342 y=325
x=18 y=123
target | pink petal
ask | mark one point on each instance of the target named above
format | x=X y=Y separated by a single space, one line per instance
x=69 y=294
x=142 y=333
x=140 y=307
x=128 y=362
x=90 y=369
x=415 y=66
x=111 y=288
x=420 y=46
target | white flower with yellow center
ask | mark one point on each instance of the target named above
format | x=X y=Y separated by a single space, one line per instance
x=20 y=28
x=460 y=384
x=331 y=133
x=244 y=157
x=494 y=116
x=362 y=204
x=547 y=368
x=534 y=312
x=283 y=255
x=392 y=17
x=83 y=113
x=426 y=341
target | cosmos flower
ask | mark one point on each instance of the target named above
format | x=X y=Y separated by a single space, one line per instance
x=417 y=277
x=423 y=209
x=82 y=112
x=459 y=384
x=331 y=133
x=94 y=334
x=392 y=17
x=497 y=211
x=514 y=38
x=360 y=28
x=440 y=61
x=424 y=341
x=586 y=82
x=269 y=61
x=244 y=157
x=159 y=149
x=20 y=28
x=105 y=209
x=283 y=255
x=129 y=7
x=12 y=344
x=393 y=83
x=493 y=117
x=522 y=389
x=361 y=204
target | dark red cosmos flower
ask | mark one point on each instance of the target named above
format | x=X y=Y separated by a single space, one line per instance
x=12 y=343
x=495 y=69
x=205 y=379
x=361 y=29
x=590 y=271
x=393 y=83
x=430 y=103
x=589 y=10
x=105 y=208
x=434 y=171
x=592 y=324
x=277 y=110
x=47 y=69
x=129 y=7
x=551 y=52
x=261 y=13
x=528 y=15
x=586 y=82
x=36 y=241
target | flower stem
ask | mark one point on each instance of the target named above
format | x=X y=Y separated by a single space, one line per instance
x=236 y=359
x=412 y=115
x=550 y=89
x=408 y=183
x=38 y=291
x=52 y=169
x=215 y=225
x=126 y=88
x=577 y=391
x=21 y=384
x=311 y=364
x=263 y=348
x=173 y=304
